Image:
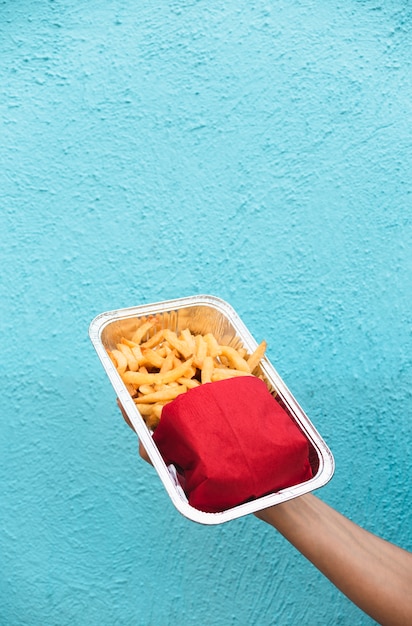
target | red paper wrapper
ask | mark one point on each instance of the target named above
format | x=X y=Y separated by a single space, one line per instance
x=233 y=442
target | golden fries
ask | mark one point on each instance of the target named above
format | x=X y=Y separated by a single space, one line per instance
x=158 y=364
x=119 y=360
x=207 y=370
x=235 y=360
x=256 y=356
x=221 y=373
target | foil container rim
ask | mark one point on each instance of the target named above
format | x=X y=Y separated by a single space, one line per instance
x=325 y=457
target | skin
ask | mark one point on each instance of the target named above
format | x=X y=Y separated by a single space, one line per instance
x=142 y=451
x=374 y=574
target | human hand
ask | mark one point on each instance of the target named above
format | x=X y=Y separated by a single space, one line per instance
x=142 y=450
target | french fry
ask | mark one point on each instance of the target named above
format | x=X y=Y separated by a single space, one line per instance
x=154 y=418
x=191 y=372
x=131 y=389
x=179 y=345
x=144 y=409
x=256 y=356
x=138 y=378
x=112 y=358
x=137 y=353
x=177 y=372
x=132 y=362
x=200 y=351
x=162 y=351
x=142 y=330
x=145 y=389
x=120 y=359
x=176 y=360
x=190 y=383
x=164 y=395
x=235 y=360
x=167 y=364
x=189 y=339
x=127 y=342
x=207 y=370
x=157 y=410
x=213 y=349
x=153 y=341
x=151 y=414
x=220 y=373
x=151 y=358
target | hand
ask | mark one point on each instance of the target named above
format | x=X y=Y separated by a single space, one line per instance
x=142 y=450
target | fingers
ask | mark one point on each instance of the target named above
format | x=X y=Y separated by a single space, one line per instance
x=142 y=450
x=123 y=412
x=143 y=453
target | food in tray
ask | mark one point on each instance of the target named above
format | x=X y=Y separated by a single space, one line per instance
x=158 y=364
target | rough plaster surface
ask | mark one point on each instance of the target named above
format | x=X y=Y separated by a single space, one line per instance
x=259 y=151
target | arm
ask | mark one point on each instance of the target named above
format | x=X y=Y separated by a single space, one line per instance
x=373 y=573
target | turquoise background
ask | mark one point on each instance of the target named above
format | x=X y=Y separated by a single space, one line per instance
x=259 y=151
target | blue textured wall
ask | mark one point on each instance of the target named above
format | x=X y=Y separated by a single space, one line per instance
x=258 y=151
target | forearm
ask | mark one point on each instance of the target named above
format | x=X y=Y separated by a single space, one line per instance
x=372 y=573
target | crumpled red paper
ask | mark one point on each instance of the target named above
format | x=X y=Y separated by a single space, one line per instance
x=232 y=441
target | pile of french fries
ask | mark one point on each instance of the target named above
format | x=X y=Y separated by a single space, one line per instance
x=157 y=364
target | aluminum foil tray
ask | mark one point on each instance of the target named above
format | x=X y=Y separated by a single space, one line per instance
x=203 y=314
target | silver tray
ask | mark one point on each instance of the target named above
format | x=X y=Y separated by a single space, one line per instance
x=203 y=314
